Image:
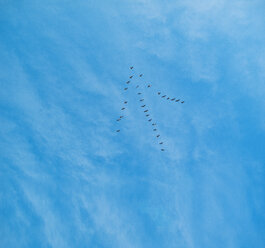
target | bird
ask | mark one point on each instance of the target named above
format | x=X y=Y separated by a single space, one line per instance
x=118 y=119
x=182 y=102
x=141 y=100
x=140 y=75
x=149 y=119
x=128 y=82
x=154 y=129
x=177 y=100
x=131 y=76
x=159 y=93
x=125 y=88
x=118 y=130
x=158 y=136
x=139 y=93
x=143 y=106
x=146 y=111
x=162 y=150
x=160 y=143
x=146 y=115
x=125 y=102
x=122 y=108
x=173 y=99
x=148 y=86
x=153 y=124
x=164 y=96
x=137 y=86
x=121 y=116
x=168 y=98
x=131 y=67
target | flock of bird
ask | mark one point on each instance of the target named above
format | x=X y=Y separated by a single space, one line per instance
x=129 y=84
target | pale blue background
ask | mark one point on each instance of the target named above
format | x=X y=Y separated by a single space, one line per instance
x=67 y=180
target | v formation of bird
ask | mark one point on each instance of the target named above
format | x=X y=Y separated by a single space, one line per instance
x=143 y=106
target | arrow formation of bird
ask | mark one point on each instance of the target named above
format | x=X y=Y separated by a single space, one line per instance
x=129 y=84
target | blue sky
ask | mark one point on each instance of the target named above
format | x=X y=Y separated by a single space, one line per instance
x=68 y=180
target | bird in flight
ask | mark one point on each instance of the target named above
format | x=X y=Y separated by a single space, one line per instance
x=154 y=124
x=140 y=75
x=122 y=108
x=177 y=100
x=146 y=111
x=121 y=116
x=118 y=130
x=128 y=82
x=143 y=106
x=168 y=98
x=141 y=100
x=162 y=150
x=148 y=86
x=160 y=143
x=139 y=93
x=125 y=102
x=182 y=102
x=164 y=96
x=131 y=67
x=131 y=76
x=173 y=99
x=149 y=119
x=154 y=129
x=118 y=119
x=147 y=115
x=158 y=136
x=125 y=88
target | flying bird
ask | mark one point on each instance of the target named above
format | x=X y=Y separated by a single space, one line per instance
x=177 y=100
x=128 y=82
x=131 y=76
x=159 y=93
x=154 y=129
x=143 y=106
x=146 y=111
x=173 y=99
x=140 y=75
x=149 y=119
x=168 y=98
x=118 y=130
x=153 y=124
x=139 y=93
x=125 y=102
x=146 y=115
x=148 y=86
x=158 y=136
x=131 y=67
x=118 y=119
x=164 y=96
x=162 y=150
x=121 y=116
x=141 y=100
x=125 y=88
x=122 y=108
x=182 y=102
x=160 y=143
